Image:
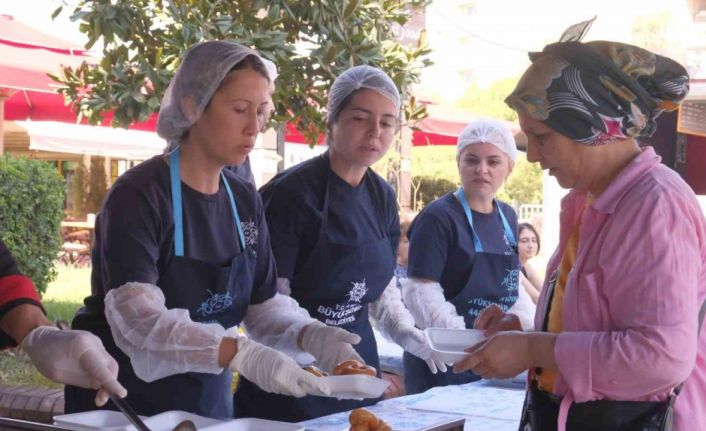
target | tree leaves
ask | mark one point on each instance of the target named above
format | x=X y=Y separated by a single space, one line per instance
x=311 y=42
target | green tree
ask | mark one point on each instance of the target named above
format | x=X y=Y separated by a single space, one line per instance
x=490 y=101
x=31 y=208
x=311 y=42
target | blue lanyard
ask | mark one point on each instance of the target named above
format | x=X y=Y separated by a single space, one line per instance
x=469 y=216
x=175 y=179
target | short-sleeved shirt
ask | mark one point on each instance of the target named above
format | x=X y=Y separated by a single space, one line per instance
x=135 y=231
x=15 y=290
x=441 y=245
x=294 y=202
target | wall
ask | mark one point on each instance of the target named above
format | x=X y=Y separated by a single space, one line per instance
x=695 y=173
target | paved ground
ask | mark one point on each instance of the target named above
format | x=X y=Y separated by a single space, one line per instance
x=32 y=404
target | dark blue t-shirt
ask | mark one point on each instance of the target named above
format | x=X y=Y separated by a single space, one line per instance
x=294 y=202
x=441 y=246
x=134 y=237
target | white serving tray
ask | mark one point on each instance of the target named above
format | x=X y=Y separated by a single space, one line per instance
x=93 y=420
x=252 y=424
x=355 y=386
x=449 y=345
x=109 y=420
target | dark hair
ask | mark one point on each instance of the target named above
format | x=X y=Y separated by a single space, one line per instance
x=523 y=226
x=252 y=62
x=332 y=117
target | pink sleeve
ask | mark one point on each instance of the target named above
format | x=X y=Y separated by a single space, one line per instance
x=648 y=269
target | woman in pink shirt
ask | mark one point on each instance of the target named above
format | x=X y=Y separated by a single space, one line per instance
x=616 y=324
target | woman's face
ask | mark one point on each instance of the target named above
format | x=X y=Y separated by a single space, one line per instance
x=562 y=156
x=527 y=244
x=364 y=130
x=483 y=167
x=237 y=112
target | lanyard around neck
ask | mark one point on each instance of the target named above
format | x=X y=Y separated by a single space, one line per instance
x=177 y=207
x=469 y=216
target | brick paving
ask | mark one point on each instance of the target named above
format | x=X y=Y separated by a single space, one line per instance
x=31 y=403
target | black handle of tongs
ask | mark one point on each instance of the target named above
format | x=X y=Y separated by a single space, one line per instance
x=129 y=412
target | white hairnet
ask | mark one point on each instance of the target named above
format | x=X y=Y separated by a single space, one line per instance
x=490 y=131
x=355 y=78
x=201 y=72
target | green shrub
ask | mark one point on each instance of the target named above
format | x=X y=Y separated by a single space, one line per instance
x=427 y=189
x=31 y=209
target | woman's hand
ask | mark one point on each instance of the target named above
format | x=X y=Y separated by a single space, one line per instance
x=493 y=319
x=507 y=354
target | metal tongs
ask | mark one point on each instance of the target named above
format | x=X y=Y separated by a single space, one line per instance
x=128 y=411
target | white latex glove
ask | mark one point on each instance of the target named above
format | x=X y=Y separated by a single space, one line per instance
x=277 y=323
x=75 y=358
x=275 y=372
x=396 y=323
x=330 y=345
x=415 y=342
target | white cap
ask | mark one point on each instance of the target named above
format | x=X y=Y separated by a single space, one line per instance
x=490 y=131
x=201 y=72
x=358 y=77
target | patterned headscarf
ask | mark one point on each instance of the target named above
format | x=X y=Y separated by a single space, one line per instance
x=598 y=92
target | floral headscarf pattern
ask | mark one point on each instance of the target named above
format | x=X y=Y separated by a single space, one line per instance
x=598 y=92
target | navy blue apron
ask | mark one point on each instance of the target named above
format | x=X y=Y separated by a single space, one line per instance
x=335 y=285
x=494 y=279
x=212 y=294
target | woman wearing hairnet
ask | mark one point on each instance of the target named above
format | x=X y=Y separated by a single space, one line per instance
x=335 y=230
x=617 y=319
x=463 y=248
x=182 y=253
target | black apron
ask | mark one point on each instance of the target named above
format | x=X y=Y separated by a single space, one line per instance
x=212 y=294
x=336 y=285
x=541 y=409
x=494 y=279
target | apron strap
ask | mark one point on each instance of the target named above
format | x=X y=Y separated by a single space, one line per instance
x=175 y=180
x=234 y=207
x=461 y=197
x=177 y=207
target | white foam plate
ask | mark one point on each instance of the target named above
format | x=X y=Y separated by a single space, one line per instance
x=94 y=420
x=355 y=386
x=168 y=420
x=449 y=345
x=252 y=424
x=115 y=421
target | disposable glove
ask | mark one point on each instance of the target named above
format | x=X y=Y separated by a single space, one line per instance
x=415 y=342
x=396 y=323
x=275 y=372
x=329 y=345
x=277 y=323
x=74 y=358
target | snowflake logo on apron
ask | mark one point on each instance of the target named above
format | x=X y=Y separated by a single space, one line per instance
x=512 y=279
x=357 y=292
x=250 y=232
x=215 y=304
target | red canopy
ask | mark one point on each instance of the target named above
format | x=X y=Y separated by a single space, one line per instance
x=26 y=56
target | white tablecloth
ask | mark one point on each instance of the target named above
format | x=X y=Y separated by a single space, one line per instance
x=484 y=405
